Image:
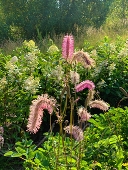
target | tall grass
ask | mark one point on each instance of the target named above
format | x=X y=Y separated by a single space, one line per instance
x=89 y=34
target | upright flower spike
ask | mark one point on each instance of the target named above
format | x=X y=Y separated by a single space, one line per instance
x=68 y=47
x=85 y=84
x=36 y=111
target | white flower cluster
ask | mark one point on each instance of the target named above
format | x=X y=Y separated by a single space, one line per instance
x=111 y=68
x=12 y=67
x=31 y=60
x=3 y=83
x=58 y=73
x=75 y=77
x=113 y=48
x=52 y=49
x=99 y=68
x=93 y=53
x=31 y=45
x=101 y=84
x=31 y=84
x=123 y=52
x=14 y=59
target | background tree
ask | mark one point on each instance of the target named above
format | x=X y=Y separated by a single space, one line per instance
x=118 y=15
x=30 y=18
x=3 y=25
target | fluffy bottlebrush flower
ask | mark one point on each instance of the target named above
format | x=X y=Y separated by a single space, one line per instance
x=75 y=77
x=83 y=114
x=36 y=111
x=68 y=47
x=84 y=59
x=85 y=84
x=100 y=104
x=75 y=131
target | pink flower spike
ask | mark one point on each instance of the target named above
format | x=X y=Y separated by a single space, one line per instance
x=83 y=114
x=100 y=104
x=37 y=109
x=75 y=131
x=85 y=84
x=68 y=47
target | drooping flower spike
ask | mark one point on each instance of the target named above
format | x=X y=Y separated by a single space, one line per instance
x=75 y=131
x=36 y=111
x=68 y=47
x=85 y=84
x=83 y=114
x=100 y=104
x=83 y=58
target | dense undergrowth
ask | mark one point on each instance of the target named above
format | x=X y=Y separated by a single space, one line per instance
x=27 y=72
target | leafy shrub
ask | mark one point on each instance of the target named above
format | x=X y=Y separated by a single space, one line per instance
x=111 y=68
x=104 y=146
x=28 y=73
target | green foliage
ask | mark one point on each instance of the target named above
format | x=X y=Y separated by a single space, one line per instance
x=111 y=68
x=109 y=142
x=33 y=159
x=105 y=146
x=27 y=72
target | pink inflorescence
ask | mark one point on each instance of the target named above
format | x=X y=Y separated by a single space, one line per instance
x=75 y=131
x=83 y=114
x=68 y=47
x=100 y=104
x=84 y=59
x=85 y=84
x=36 y=111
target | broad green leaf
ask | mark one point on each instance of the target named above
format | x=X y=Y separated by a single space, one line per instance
x=16 y=155
x=97 y=124
x=20 y=150
x=9 y=153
